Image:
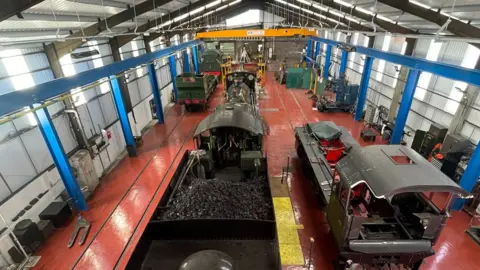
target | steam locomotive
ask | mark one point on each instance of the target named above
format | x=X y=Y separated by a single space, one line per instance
x=217 y=212
x=378 y=198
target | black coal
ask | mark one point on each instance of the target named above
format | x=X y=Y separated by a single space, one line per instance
x=221 y=199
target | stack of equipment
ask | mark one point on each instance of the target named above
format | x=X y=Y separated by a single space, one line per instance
x=345 y=96
x=425 y=141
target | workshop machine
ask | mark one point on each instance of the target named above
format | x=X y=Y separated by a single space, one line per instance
x=376 y=205
x=217 y=211
x=345 y=96
x=195 y=90
x=333 y=141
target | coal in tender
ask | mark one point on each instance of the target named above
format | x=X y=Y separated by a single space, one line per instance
x=220 y=199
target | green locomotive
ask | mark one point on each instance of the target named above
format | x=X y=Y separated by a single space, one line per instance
x=195 y=90
x=211 y=62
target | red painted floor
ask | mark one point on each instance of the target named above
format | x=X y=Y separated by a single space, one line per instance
x=126 y=198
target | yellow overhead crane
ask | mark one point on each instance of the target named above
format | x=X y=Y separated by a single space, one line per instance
x=252 y=33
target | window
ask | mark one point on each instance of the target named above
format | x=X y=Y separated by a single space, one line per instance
x=469 y=60
x=424 y=80
x=136 y=52
x=249 y=17
x=381 y=64
x=17 y=68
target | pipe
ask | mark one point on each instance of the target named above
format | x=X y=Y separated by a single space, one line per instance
x=82 y=132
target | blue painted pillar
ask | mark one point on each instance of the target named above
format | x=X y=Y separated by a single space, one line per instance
x=343 y=63
x=157 y=98
x=309 y=48
x=186 y=62
x=60 y=159
x=123 y=116
x=195 y=60
x=469 y=177
x=327 y=61
x=173 y=72
x=317 y=51
x=405 y=104
x=362 y=95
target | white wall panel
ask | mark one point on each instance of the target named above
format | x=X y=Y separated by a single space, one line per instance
x=144 y=87
x=108 y=108
x=86 y=121
x=62 y=125
x=15 y=165
x=134 y=93
x=37 y=149
x=97 y=115
x=6 y=129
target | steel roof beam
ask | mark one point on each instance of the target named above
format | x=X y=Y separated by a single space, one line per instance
x=442 y=69
x=122 y=40
x=65 y=47
x=390 y=27
x=456 y=27
x=353 y=25
x=13 y=7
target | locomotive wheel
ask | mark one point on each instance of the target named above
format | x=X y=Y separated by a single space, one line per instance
x=188 y=108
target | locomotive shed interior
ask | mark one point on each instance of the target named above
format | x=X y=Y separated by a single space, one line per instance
x=240 y=134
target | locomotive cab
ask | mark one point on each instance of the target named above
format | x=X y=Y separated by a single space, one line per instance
x=232 y=135
x=380 y=208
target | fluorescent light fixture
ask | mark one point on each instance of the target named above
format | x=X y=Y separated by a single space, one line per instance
x=198 y=10
x=212 y=4
x=343 y=3
x=419 y=4
x=220 y=8
x=308 y=11
x=281 y=1
x=181 y=17
x=234 y=3
x=305 y=2
x=336 y=13
x=352 y=19
x=381 y=17
x=365 y=11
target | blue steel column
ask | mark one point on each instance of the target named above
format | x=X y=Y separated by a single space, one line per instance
x=362 y=95
x=317 y=51
x=123 y=116
x=405 y=104
x=173 y=72
x=309 y=48
x=186 y=62
x=469 y=177
x=327 y=61
x=343 y=63
x=60 y=159
x=195 y=59
x=157 y=98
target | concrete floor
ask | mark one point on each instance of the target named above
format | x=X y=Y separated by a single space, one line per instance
x=127 y=196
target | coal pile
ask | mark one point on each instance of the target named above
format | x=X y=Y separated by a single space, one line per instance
x=220 y=199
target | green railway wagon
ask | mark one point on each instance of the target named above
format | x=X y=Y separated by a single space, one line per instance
x=211 y=61
x=194 y=90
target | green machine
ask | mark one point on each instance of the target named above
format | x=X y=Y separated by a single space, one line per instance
x=300 y=78
x=211 y=61
x=194 y=90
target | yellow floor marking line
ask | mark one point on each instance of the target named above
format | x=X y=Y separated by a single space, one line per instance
x=290 y=249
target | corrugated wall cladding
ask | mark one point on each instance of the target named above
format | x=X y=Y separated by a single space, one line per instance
x=421 y=48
